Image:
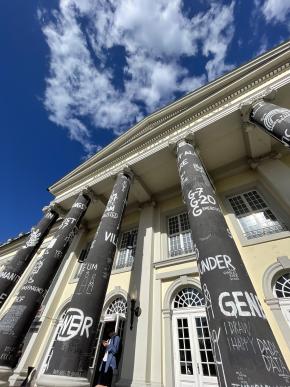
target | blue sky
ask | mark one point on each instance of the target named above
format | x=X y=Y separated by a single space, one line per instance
x=77 y=73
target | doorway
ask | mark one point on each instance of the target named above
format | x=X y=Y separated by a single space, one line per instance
x=116 y=323
x=194 y=364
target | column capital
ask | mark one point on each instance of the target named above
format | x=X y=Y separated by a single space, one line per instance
x=127 y=171
x=87 y=190
x=54 y=206
x=51 y=207
x=189 y=138
x=245 y=107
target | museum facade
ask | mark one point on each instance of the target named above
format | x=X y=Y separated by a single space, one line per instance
x=154 y=298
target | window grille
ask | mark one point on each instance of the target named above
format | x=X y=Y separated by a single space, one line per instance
x=126 y=249
x=119 y=305
x=254 y=215
x=188 y=297
x=282 y=286
x=179 y=235
x=205 y=348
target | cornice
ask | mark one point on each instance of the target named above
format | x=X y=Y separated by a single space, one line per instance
x=176 y=124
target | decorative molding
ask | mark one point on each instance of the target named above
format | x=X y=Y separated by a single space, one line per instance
x=174 y=261
x=182 y=273
x=271 y=274
x=172 y=131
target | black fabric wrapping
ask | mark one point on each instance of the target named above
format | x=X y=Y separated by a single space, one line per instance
x=16 y=322
x=10 y=273
x=274 y=119
x=73 y=345
x=244 y=347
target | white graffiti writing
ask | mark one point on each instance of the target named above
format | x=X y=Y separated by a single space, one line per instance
x=183 y=178
x=9 y=276
x=198 y=168
x=3 y=297
x=67 y=222
x=80 y=205
x=74 y=323
x=200 y=202
x=32 y=288
x=183 y=163
x=215 y=336
x=49 y=215
x=111 y=203
x=220 y=261
x=240 y=303
x=110 y=236
x=270 y=120
x=110 y=214
x=19 y=298
x=286 y=136
x=35 y=270
x=208 y=302
x=272 y=358
x=33 y=239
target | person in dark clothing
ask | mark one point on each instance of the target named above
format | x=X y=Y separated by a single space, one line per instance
x=109 y=362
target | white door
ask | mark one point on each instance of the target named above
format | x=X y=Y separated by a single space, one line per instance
x=193 y=356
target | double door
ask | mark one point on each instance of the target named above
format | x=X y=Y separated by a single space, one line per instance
x=193 y=356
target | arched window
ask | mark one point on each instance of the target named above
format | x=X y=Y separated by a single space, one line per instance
x=282 y=292
x=188 y=297
x=118 y=306
x=282 y=286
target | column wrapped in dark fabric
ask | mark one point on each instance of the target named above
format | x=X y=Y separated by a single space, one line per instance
x=73 y=345
x=274 y=119
x=10 y=273
x=246 y=352
x=16 y=322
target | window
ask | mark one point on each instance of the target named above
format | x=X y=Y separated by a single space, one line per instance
x=194 y=352
x=83 y=256
x=127 y=249
x=282 y=291
x=254 y=215
x=116 y=312
x=118 y=306
x=188 y=297
x=179 y=235
x=282 y=286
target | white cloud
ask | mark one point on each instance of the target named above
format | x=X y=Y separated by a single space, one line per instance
x=81 y=88
x=276 y=10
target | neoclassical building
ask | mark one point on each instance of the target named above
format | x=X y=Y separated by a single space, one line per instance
x=154 y=298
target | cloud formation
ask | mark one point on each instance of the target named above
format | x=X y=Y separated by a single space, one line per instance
x=113 y=61
x=276 y=10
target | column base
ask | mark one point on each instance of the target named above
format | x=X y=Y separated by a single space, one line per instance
x=5 y=373
x=61 y=381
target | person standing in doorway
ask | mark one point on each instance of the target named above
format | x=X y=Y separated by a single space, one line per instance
x=109 y=362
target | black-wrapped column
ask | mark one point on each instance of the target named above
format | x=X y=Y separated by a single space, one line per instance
x=69 y=363
x=10 y=273
x=245 y=349
x=274 y=119
x=16 y=322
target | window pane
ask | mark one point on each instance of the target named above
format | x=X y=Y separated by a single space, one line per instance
x=179 y=235
x=282 y=286
x=126 y=250
x=255 y=217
